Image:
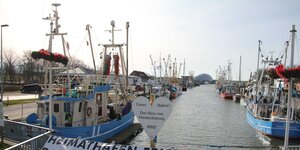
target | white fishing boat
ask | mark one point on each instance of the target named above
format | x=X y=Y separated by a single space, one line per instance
x=86 y=111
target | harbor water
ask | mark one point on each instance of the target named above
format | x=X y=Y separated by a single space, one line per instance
x=201 y=119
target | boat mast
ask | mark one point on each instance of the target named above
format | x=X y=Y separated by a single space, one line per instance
x=113 y=46
x=127 y=30
x=54 y=32
x=256 y=88
x=183 y=67
x=240 y=68
x=91 y=45
x=160 y=67
x=287 y=125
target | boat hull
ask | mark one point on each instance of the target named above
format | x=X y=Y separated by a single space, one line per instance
x=100 y=132
x=227 y=95
x=273 y=128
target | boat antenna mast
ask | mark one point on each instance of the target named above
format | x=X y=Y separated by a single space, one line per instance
x=54 y=32
x=288 y=115
x=256 y=87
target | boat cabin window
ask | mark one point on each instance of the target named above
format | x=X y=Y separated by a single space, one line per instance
x=47 y=107
x=80 y=106
x=67 y=107
x=40 y=105
x=99 y=98
x=99 y=111
x=56 y=107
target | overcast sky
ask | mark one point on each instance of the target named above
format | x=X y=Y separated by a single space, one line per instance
x=206 y=33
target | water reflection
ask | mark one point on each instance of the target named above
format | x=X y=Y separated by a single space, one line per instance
x=201 y=119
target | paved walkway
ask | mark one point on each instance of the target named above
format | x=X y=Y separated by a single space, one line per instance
x=18 y=111
x=17 y=95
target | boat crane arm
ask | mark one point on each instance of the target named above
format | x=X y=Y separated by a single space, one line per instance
x=179 y=70
x=153 y=65
x=166 y=65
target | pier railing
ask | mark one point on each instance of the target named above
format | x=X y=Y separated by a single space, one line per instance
x=30 y=136
x=34 y=143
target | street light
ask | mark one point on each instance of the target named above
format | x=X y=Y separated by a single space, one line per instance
x=2 y=78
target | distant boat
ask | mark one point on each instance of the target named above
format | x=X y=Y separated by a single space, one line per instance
x=228 y=91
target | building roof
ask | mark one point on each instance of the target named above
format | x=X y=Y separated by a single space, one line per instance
x=77 y=70
x=139 y=74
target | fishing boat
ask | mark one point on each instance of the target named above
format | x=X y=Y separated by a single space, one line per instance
x=228 y=91
x=86 y=111
x=270 y=109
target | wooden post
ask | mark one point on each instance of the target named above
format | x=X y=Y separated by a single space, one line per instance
x=152 y=98
x=22 y=112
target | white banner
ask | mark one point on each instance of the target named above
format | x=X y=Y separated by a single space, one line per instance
x=59 y=143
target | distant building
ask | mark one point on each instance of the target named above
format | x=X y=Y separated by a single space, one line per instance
x=204 y=78
x=144 y=77
x=79 y=73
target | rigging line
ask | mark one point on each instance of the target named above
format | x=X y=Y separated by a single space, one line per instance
x=80 y=46
x=95 y=35
x=282 y=51
x=131 y=49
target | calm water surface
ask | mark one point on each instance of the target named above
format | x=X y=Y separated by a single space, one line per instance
x=201 y=119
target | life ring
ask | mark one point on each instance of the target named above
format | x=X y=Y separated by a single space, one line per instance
x=89 y=111
x=274 y=113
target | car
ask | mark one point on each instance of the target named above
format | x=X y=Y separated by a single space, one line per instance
x=32 y=88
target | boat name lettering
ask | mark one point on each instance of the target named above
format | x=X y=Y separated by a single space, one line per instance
x=151 y=113
x=151 y=126
x=162 y=105
x=138 y=104
x=151 y=118
x=143 y=113
x=160 y=114
x=56 y=142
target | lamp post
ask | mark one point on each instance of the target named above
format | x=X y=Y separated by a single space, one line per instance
x=1 y=100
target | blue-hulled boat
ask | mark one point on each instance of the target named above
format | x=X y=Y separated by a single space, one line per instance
x=272 y=108
x=274 y=128
x=92 y=109
x=89 y=117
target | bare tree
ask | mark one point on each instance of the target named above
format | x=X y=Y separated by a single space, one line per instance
x=10 y=64
x=27 y=67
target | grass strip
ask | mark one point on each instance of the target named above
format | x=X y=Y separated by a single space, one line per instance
x=19 y=101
